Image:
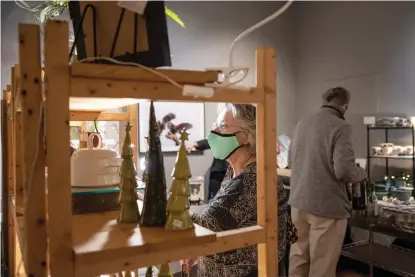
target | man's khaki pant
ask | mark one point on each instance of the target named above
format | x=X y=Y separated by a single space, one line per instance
x=319 y=244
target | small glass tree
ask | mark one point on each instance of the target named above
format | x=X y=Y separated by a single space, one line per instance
x=165 y=271
x=127 y=199
x=155 y=195
x=178 y=217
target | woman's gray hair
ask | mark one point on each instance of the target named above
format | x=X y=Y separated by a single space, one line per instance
x=245 y=113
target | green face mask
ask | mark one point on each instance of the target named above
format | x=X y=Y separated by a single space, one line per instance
x=222 y=145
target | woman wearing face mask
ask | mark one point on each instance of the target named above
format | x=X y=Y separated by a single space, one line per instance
x=233 y=138
x=215 y=173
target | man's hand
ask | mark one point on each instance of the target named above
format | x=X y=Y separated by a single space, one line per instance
x=192 y=147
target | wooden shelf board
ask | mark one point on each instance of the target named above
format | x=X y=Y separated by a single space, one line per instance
x=286 y=172
x=96 y=93
x=96 y=115
x=134 y=73
x=100 y=104
x=129 y=258
x=98 y=236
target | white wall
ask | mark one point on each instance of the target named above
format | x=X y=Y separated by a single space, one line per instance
x=368 y=47
x=210 y=29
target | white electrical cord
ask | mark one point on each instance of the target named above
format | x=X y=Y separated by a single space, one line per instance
x=232 y=71
x=227 y=72
x=258 y=25
x=24 y=5
x=38 y=135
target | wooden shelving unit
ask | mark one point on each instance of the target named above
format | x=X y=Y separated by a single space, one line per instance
x=54 y=241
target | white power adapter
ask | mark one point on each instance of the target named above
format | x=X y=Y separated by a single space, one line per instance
x=134 y=6
x=228 y=73
x=198 y=91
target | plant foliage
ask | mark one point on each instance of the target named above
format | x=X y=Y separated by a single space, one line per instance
x=53 y=8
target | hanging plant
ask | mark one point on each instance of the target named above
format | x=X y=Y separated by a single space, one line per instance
x=53 y=8
x=173 y=16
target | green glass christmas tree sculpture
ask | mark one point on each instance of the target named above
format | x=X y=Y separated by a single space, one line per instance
x=127 y=199
x=165 y=271
x=178 y=204
x=155 y=196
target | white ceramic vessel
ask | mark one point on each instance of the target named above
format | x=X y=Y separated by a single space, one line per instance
x=95 y=167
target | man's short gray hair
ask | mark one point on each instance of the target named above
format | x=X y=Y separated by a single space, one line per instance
x=246 y=114
x=338 y=96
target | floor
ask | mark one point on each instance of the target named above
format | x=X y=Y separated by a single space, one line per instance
x=350 y=273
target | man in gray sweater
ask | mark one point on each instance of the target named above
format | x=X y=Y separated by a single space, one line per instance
x=322 y=162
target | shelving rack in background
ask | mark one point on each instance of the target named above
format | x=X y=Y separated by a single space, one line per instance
x=370 y=157
x=390 y=258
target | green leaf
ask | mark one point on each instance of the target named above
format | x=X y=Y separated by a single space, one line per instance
x=174 y=16
x=56 y=3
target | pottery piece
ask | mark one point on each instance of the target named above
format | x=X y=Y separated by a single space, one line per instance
x=95 y=166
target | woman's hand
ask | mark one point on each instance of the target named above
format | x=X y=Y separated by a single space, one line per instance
x=189 y=261
x=192 y=147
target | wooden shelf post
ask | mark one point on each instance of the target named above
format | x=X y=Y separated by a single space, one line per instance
x=266 y=163
x=58 y=141
x=35 y=248
x=7 y=178
x=17 y=138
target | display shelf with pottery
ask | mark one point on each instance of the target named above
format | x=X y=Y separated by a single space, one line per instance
x=92 y=244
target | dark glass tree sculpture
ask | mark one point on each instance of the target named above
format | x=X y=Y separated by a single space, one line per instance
x=149 y=271
x=178 y=204
x=155 y=196
x=127 y=199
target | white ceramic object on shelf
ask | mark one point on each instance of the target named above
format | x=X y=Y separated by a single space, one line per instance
x=95 y=167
